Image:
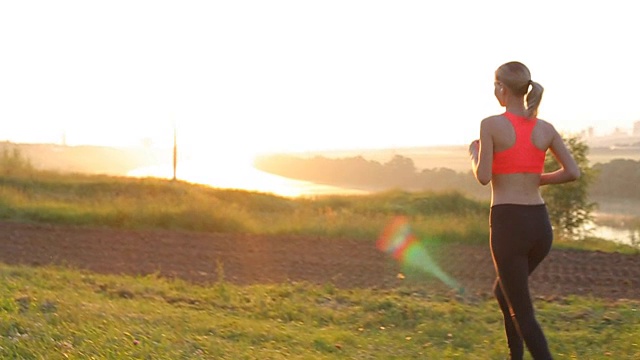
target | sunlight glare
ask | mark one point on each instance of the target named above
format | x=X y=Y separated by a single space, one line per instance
x=235 y=170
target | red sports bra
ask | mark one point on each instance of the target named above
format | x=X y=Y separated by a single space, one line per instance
x=523 y=156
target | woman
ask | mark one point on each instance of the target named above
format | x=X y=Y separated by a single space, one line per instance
x=510 y=154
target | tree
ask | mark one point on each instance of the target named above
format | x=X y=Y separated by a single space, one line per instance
x=13 y=163
x=568 y=204
x=619 y=178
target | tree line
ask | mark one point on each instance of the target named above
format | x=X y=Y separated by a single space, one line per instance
x=357 y=172
x=618 y=178
x=569 y=204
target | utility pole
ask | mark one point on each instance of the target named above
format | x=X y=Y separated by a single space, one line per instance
x=175 y=151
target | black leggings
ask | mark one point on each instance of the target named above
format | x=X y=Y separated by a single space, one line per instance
x=521 y=238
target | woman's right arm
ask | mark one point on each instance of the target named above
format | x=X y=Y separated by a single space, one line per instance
x=482 y=154
x=568 y=171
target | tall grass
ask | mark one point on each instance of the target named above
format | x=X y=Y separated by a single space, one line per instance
x=156 y=203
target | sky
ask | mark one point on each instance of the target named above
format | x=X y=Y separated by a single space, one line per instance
x=264 y=76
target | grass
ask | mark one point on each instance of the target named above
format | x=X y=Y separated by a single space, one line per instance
x=56 y=313
x=596 y=244
x=30 y=195
x=63 y=313
x=155 y=203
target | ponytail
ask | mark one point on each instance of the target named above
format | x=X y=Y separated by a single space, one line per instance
x=533 y=99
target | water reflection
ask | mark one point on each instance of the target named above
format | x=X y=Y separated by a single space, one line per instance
x=243 y=177
x=619 y=235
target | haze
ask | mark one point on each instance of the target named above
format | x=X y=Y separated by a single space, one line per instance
x=255 y=76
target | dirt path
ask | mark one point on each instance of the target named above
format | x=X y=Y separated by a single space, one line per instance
x=250 y=259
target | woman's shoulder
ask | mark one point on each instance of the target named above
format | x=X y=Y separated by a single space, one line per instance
x=493 y=120
x=546 y=125
x=494 y=123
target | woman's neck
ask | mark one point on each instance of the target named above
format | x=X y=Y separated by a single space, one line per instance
x=516 y=106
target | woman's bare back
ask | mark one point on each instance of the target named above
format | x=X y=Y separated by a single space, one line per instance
x=518 y=188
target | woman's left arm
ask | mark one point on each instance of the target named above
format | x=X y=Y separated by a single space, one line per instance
x=569 y=170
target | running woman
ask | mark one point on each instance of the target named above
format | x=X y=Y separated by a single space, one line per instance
x=510 y=155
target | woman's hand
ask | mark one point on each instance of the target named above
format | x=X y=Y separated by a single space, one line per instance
x=474 y=148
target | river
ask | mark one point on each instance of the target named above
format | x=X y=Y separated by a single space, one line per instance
x=616 y=234
x=243 y=178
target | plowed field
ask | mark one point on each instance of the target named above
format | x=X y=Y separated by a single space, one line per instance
x=249 y=259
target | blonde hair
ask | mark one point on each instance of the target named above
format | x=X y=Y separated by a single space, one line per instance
x=517 y=78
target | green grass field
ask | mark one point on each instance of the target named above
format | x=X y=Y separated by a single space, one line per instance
x=56 y=313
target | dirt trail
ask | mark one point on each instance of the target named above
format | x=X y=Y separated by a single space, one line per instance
x=251 y=259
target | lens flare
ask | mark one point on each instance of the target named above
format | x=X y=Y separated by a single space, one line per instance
x=399 y=241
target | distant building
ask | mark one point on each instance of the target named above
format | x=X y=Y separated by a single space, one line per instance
x=586 y=133
x=619 y=132
x=619 y=137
